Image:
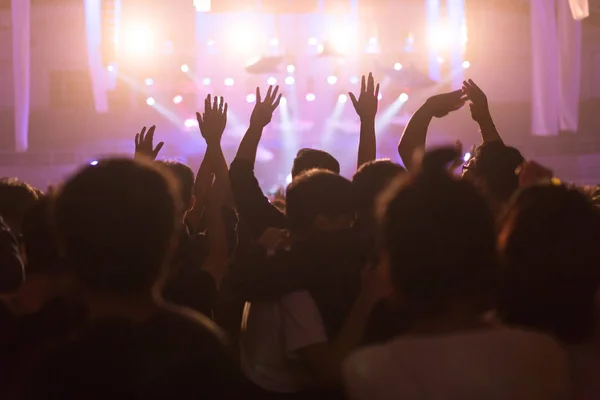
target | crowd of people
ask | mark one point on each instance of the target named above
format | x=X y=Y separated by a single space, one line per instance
x=138 y=279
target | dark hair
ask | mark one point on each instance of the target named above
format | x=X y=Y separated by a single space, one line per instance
x=184 y=176
x=314 y=193
x=39 y=239
x=439 y=235
x=551 y=247
x=16 y=197
x=496 y=164
x=371 y=178
x=308 y=159
x=116 y=221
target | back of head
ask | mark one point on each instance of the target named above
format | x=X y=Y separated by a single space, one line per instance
x=116 y=222
x=550 y=243
x=15 y=198
x=370 y=179
x=438 y=236
x=185 y=178
x=495 y=165
x=39 y=239
x=308 y=159
x=318 y=194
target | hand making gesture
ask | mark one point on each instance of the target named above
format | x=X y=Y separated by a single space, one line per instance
x=479 y=103
x=263 y=109
x=144 y=146
x=366 y=105
x=213 y=121
x=443 y=104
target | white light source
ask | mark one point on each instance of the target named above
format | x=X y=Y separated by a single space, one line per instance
x=310 y=97
x=210 y=42
x=466 y=64
x=272 y=81
x=283 y=100
x=440 y=59
x=313 y=41
x=150 y=101
x=274 y=42
x=289 y=80
x=110 y=68
x=443 y=37
x=177 y=99
x=185 y=68
x=397 y=66
x=403 y=97
x=380 y=96
x=229 y=82
x=290 y=68
x=354 y=80
x=190 y=123
x=332 y=80
x=206 y=81
x=149 y=81
x=467 y=157
x=94 y=163
x=342 y=98
x=251 y=98
x=138 y=39
x=288 y=179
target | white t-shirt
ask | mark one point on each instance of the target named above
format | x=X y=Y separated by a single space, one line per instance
x=272 y=334
x=482 y=365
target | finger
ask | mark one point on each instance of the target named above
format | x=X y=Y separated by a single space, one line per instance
x=474 y=85
x=158 y=148
x=370 y=83
x=275 y=92
x=353 y=99
x=142 y=134
x=137 y=140
x=258 y=95
x=150 y=135
x=276 y=104
x=377 y=91
x=221 y=105
x=215 y=104
x=268 y=98
x=225 y=109
x=458 y=106
x=457 y=93
x=207 y=103
x=363 y=85
x=199 y=119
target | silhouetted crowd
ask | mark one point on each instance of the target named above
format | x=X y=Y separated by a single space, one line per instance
x=448 y=278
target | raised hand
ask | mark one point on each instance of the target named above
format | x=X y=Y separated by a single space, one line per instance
x=479 y=103
x=263 y=109
x=144 y=146
x=213 y=121
x=443 y=104
x=366 y=105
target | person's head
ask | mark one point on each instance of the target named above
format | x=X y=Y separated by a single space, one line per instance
x=438 y=240
x=493 y=169
x=15 y=198
x=370 y=180
x=550 y=245
x=185 y=178
x=117 y=225
x=319 y=200
x=308 y=159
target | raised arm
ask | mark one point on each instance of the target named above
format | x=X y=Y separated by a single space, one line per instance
x=366 y=108
x=480 y=111
x=415 y=133
x=144 y=144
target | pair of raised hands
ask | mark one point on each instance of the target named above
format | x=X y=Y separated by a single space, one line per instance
x=441 y=105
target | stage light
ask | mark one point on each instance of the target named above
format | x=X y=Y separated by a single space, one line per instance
x=466 y=64
x=403 y=97
x=341 y=41
x=251 y=98
x=149 y=81
x=467 y=157
x=110 y=68
x=150 y=101
x=440 y=60
x=229 y=82
x=202 y=5
x=138 y=39
x=288 y=179
x=313 y=41
x=283 y=100
x=272 y=81
x=94 y=163
x=443 y=38
x=274 y=42
x=210 y=42
x=290 y=68
x=332 y=80
x=342 y=98
x=310 y=97
x=185 y=68
x=190 y=123
x=354 y=80
x=206 y=81
x=397 y=66
x=289 y=80
x=380 y=96
x=177 y=99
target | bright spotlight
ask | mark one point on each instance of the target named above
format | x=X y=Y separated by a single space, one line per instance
x=206 y=81
x=150 y=101
x=332 y=80
x=288 y=179
x=94 y=163
x=354 y=80
x=274 y=42
x=380 y=96
x=177 y=99
x=244 y=38
x=397 y=66
x=138 y=39
x=440 y=59
x=342 y=98
x=289 y=80
x=313 y=41
x=283 y=100
x=185 y=68
x=310 y=97
x=272 y=81
x=190 y=123
x=290 y=68
x=444 y=38
x=466 y=64
x=149 y=81
x=251 y=98
x=403 y=97
x=341 y=41
x=467 y=157
x=111 y=68
x=229 y=82
x=210 y=42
